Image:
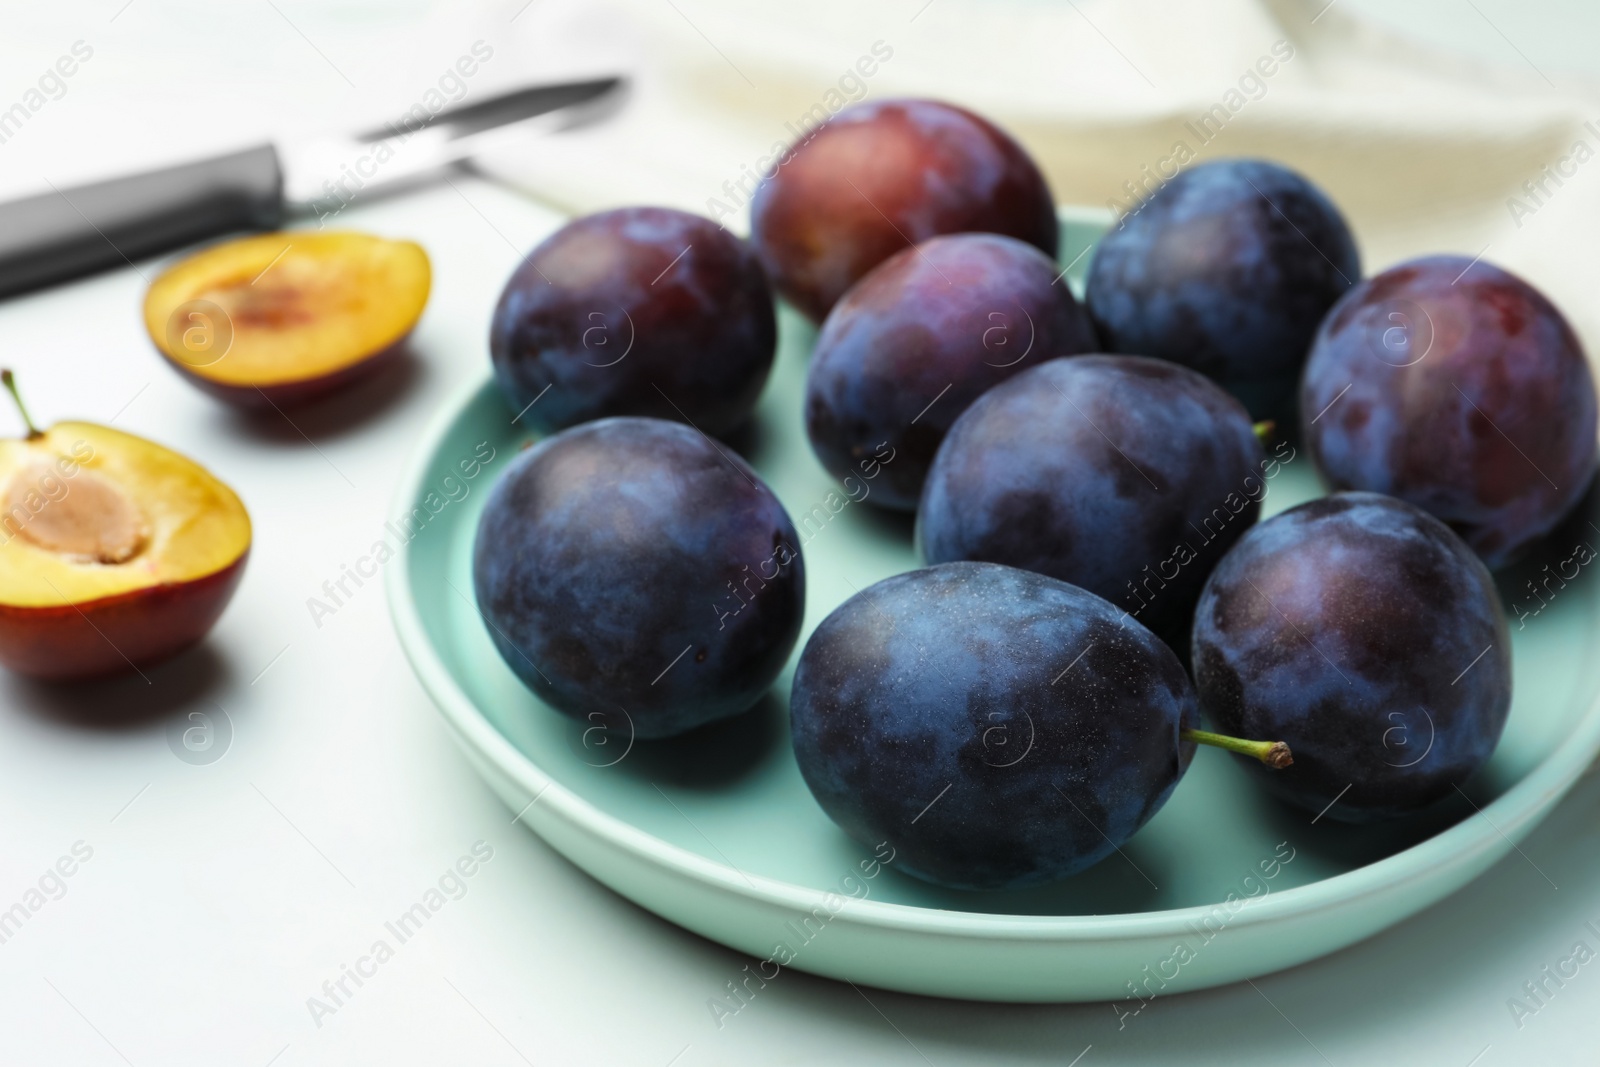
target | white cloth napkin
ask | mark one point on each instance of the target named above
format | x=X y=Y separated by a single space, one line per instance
x=1423 y=152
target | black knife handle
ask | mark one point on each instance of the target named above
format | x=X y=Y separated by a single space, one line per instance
x=67 y=233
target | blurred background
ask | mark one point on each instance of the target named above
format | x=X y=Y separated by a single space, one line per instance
x=219 y=897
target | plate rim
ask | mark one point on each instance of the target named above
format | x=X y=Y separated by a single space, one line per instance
x=1514 y=812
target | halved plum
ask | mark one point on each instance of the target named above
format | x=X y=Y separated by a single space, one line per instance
x=114 y=551
x=280 y=318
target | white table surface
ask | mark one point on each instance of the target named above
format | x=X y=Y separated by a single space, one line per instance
x=220 y=897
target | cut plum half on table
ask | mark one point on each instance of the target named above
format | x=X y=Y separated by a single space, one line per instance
x=114 y=551
x=281 y=318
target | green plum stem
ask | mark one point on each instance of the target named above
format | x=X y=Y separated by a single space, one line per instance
x=9 y=380
x=1274 y=754
x=1265 y=430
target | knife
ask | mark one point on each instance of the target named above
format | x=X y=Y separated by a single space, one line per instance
x=67 y=233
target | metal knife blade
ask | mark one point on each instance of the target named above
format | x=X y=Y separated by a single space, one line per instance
x=324 y=176
x=513 y=106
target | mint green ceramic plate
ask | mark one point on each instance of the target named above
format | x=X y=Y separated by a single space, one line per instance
x=717 y=832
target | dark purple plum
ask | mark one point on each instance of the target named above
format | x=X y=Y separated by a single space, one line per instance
x=882 y=175
x=1457 y=386
x=1366 y=635
x=639 y=311
x=1127 y=476
x=1227 y=268
x=921 y=337
x=998 y=727
x=639 y=577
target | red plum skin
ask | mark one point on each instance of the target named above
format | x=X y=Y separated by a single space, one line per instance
x=923 y=336
x=638 y=311
x=1458 y=387
x=885 y=174
x=1361 y=632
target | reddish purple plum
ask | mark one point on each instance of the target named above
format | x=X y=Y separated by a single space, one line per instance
x=639 y=311
x=882 y=175
x=1363 y=633
x=919 y=339
x=1459 y=387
